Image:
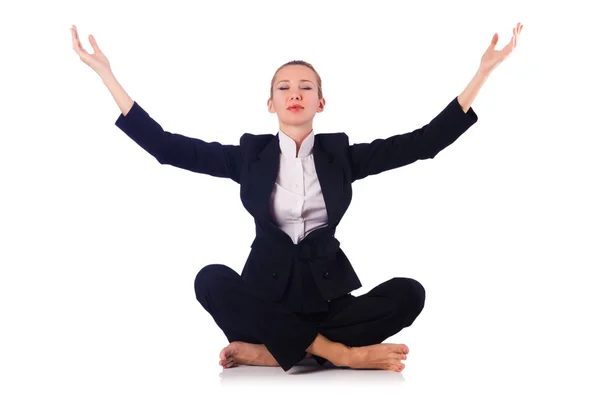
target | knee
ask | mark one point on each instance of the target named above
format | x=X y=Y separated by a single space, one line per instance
x=209 y=277
x=413 y=292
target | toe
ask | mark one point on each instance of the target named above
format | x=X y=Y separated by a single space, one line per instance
x=227 y=360
x=398 y=356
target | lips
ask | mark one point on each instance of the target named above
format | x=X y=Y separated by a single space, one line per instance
x=295 y=107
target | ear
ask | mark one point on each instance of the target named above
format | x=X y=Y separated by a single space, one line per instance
x=270 y=106
x=321 y=105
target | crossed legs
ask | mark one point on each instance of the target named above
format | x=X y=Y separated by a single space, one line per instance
x=263 y=332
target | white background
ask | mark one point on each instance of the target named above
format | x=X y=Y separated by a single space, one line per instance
x=100 y=244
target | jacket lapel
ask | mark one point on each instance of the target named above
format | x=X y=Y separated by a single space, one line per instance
x=331 y=179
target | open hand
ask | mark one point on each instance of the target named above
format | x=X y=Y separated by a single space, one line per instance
x=97 y=60
x=492 y=58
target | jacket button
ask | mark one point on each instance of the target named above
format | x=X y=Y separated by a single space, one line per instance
x=326 y=274
x=274 y=275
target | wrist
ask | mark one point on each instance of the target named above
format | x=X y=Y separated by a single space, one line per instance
x=107 y=77
x=483 y=73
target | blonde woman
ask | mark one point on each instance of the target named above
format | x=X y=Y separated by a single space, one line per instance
x=293 y=298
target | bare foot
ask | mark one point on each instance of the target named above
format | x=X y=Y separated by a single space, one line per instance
x=247 y=354
x=381 y=356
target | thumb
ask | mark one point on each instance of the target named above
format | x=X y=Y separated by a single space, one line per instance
x=494 y=40
x=94 y=44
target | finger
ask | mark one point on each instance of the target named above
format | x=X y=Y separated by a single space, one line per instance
x=94 y=44
x=79 y=49
x=75 y=35
x=77 y=45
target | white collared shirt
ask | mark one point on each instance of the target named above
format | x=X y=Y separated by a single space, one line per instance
x=297 y=205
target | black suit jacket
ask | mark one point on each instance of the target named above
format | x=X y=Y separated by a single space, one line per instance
x=254 y=164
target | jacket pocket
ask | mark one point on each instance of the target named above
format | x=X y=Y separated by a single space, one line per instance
x=267 y=274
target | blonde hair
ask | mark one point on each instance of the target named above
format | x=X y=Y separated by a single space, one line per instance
x=303 y=63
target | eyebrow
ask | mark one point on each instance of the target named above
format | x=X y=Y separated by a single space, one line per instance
x=281 y=81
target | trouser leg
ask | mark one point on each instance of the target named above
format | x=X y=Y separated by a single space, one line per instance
x=237 y=310
x=375 y=316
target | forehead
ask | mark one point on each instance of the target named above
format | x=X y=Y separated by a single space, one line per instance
x=295 y=73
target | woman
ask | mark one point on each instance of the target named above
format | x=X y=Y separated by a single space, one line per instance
x=293 y=299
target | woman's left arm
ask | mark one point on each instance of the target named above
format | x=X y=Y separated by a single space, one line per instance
x=489 y=61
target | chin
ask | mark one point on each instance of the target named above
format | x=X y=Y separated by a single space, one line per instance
x=296 y=122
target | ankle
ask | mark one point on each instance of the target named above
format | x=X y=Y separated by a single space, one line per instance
x=337 y=353
x=346 y=356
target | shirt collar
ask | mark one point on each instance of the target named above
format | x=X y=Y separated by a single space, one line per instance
x=288 y=145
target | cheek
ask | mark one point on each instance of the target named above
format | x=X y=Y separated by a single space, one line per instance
x=276 y=100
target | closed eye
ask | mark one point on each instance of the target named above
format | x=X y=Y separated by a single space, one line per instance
x=305 y=88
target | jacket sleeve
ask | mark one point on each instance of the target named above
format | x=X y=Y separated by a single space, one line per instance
x=403 y=149
x=211 y=158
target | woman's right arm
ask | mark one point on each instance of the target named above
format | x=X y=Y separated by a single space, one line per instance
x=193 y=154
x=211 y=158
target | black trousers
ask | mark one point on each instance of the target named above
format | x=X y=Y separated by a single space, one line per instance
x=351 y=320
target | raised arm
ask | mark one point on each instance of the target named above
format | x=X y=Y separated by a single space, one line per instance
x=193 y=154
x=211 y=158
x=402 y=149
x=427 y=141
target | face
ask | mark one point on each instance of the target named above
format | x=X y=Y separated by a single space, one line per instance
x=295 y=84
